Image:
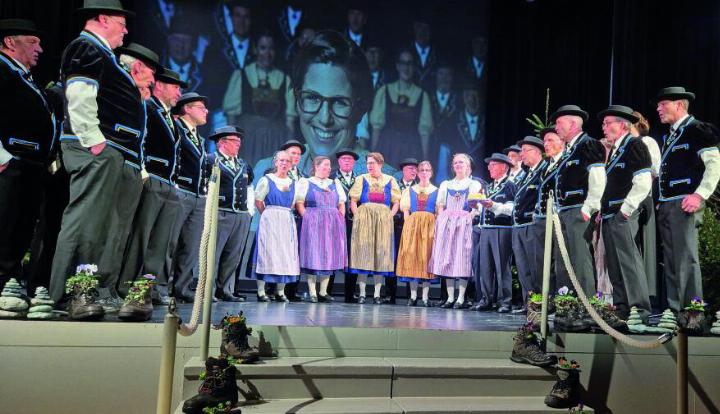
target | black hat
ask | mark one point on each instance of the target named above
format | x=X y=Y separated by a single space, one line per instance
x=619 y=111
x=190 y=97
x=12 y=27
x=144 y=54
x=347 y=151
x=499 y=158
x=226 y=131
x=569 y=110
x=511 y=148
x=170 y=76
x=293 y=143
x=409 y=161
x=674 y=93
x=96 y=7
x=534 y=141
x=546 y=130
x=359 y=5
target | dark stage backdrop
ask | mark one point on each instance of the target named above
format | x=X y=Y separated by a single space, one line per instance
x=591 y=53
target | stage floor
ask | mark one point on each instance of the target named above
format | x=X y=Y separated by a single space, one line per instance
x=354 y=315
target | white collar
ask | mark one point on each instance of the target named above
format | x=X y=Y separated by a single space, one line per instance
x=535 y=167
x=422 y=50
x=19 y=64
x=572 y=141
x=498 y=181
x=238 y=43
x=679 y=122
x=102 y=39
x=355 y=37
x=619 y=142
x=477 y=62
x=442 y=96
x=183 y=67
x=346 y=174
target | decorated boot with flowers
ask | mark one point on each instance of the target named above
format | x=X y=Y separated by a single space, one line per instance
x=534 y=308
x=607 y=312
x=692 y=319
x=83 y=289
x=235 y=334
x=137 y=306
x=529 y=349
x=218 y=386
x=568 y=313
x=566 y=391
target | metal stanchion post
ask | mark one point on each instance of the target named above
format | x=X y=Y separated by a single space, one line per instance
x=167 y=361
x=546 y=266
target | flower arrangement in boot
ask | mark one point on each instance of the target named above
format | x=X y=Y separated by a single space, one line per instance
x=566 y=391
x=218 y=386
x=568 y=315
x=528 y=348
x=534 y=307
x=692 y=319
x=83 y=288
x=235 y=334
x=218 y=409
x=137 y=306
x=607 y=312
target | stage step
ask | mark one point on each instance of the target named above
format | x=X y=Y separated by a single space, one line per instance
x=372 y=377
x=404 y=405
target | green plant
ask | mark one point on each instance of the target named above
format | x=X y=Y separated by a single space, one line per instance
x=696 y=305
x=535 y=297
x=220 y=408
x=84 y=278
x=535 y=121
x=236 y=330
x=565 y=298
x=139 y=288
x=709 y=252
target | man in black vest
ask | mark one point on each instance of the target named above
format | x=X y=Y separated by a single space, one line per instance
x=526 y=195
x=346 y=159
x=689 y=173
x=494 y=248
x=101 y=146
x=148 y=246
x=517 y=172
x=28 y=133
x=191 y=179
x=579 y=186
x=235 y=205
x=629 y=181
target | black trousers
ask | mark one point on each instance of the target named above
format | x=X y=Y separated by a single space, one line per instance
x=185 y=242
x=233 y=229
x=104 y=193
x=21 y=195
x=578 y=239
x=152 y=229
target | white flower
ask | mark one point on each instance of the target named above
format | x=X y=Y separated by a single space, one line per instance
x=563 y=291
x=86 y=268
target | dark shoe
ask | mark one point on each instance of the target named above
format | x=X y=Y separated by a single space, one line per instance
x=519 y=310
x=84 y=306
x=459 y=305
x=218 y=386
x=292 y=298
x=566 y=391
x=388 y=299
x=361 y=300
x=503 y=309
x=234 y=343
x=424 y=304
x=528 y=349
x=137 y=306
x=231 y=298
x=447 y=305
x=325 y=299
x=282 y=298
x=412 y=302
x=692 y=322
x=263 y=298
x=162 y=300
x=185 y=299
x=377 y=301
x=110 y=304
x=481 y=307
x=313 y=299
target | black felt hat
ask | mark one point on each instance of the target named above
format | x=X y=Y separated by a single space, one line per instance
x=293 y=143
x=545 y=131
x=569 y=110
x=511 y=148
x=146 y=55
x=674 y=93
x=498 y=157
x=534 y=141
x=190 y=97
x=347 y=151
x=96 y=7
x=170 y=76
x=226 y=131
x=409 y=161
x=619 y=111
x=14 y=27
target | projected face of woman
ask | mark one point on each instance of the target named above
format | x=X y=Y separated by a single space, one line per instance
x=324 y=105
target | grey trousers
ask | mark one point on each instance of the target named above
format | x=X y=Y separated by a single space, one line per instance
x=149 y=241
x=538 y=243
x=185 y=242
x=233 y=229
x=646 y=239
x=679 y=235
x=524 y=250
x=625 y=265
x=494 y=250
x=104 y=193
x=578 y=239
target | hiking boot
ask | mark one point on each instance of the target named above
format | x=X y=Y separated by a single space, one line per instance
x=234 y=343
x=609 y=315
x=569 y=314
x=692 y=322
x=528 y=349
x=137 y=306
x=218 y=386
x=566 y=391
x=83 y=305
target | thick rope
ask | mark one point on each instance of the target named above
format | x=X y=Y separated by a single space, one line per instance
x=627 y=340
x=210 y=217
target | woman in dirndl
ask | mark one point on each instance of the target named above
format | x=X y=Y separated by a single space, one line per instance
x=372 y=247
x=321 y=203
x=276 y=255
x=418 y=206
x=452 y=249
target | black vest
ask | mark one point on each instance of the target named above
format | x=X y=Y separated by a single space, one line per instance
x=191 y=170
x=28 y=129
x=526 y=196
x=346 y=186
x=546 y=184
x=121 y=109
x=502 y=193
x=681 y=168
x=162 y=145
x=233 y=183
x=631 y=158
x=572 y=176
